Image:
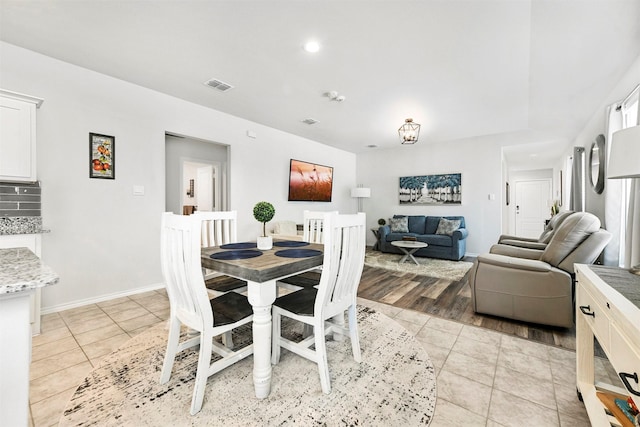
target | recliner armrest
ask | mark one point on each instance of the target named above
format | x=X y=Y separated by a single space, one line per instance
x=516 y=263
x=517 y=252
x=524 y=244
x=521 y=239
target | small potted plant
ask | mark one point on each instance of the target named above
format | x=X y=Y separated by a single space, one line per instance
x=381 y=222
x=264 y=212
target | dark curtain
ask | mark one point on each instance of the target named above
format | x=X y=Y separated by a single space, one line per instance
x=576 y=202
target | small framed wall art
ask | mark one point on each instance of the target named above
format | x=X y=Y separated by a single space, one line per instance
x=102 y=152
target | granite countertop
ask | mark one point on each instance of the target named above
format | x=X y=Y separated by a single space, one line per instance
x=21 y=225
x=21 y=270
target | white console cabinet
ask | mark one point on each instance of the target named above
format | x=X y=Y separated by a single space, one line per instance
x=33 y=243
x=18 y=136
x=607 y=307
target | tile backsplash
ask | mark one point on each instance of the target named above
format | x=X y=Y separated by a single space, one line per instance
x=20 y=199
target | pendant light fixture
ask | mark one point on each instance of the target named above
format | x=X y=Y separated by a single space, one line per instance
x=409 y=132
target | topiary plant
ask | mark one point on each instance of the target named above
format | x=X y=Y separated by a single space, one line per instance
x=381 y=221
x=264 y=212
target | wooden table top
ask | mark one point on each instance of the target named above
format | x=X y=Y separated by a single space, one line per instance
x=265 y=267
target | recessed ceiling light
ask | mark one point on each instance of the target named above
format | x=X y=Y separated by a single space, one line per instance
x=311 y=46
x=372 y=146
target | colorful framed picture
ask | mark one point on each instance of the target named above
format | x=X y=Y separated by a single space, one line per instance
x=102 y=152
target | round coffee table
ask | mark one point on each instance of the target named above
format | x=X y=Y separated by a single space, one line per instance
x=408 y=247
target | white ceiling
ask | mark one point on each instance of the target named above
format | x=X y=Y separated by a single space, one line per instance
x=533 y=72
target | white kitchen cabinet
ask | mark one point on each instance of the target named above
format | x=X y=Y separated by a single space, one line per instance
x=33 y=243
x=18 y=136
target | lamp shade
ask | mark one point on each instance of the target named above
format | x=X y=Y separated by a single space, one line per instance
x=361 y=192
x=624 y=157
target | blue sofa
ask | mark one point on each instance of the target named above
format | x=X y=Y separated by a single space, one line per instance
x=423 y=228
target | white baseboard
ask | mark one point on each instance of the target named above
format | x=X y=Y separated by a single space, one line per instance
x=101 y=298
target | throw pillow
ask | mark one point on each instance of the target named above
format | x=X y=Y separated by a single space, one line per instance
x=400 y=225
x=448 y=226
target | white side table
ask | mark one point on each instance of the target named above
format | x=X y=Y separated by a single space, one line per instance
x=607 y=307
x=408 y=247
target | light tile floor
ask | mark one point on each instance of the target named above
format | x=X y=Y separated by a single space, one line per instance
x=484 y=378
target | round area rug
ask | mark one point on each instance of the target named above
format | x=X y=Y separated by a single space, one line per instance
x=438 y=268
x=394 y=384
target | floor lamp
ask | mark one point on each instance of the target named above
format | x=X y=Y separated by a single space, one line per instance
x=360 y=193
x=624 y=160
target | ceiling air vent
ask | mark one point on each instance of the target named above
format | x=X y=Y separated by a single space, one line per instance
x=309 y=121
x=219 y=85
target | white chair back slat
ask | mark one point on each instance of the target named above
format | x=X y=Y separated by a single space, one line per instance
x=313 y=226
x=218 y=228
x=344 y=249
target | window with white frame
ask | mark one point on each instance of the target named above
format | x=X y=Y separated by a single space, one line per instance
x=622 y=115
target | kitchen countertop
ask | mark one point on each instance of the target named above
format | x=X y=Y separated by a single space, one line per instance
x=21 y=270
x=11 y=226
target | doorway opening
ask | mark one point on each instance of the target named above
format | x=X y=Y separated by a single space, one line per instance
x=196 y=173
x=202 y=183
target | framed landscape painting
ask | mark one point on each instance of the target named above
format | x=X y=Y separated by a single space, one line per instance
x=443 y=189
x=310 y=182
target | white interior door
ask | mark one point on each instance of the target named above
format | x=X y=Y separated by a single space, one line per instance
x=204 y=188
x=531 y=206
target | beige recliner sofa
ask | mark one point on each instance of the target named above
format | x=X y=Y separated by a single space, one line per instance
x=537 y=285
x=542 y=241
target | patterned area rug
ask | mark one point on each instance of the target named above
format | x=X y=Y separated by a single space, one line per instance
x=394 y=385
x=438 y=268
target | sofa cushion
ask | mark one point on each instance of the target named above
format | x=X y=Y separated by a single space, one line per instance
x=436 y=240
x=447 y=226
x=399 y=224
x=431 y=224
x=392 y=237
x=417 y=224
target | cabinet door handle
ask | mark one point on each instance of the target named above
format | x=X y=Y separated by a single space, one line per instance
x=586 y=309
x=634 y=376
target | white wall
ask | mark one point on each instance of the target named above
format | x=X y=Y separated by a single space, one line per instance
x=478 y=159
x=104 y=241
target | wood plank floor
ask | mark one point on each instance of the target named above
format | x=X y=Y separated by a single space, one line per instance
x=450 y=300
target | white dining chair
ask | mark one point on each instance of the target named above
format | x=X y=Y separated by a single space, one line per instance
x=313 y=232
x=323 y=308
x=219 y=228
x=190 y=305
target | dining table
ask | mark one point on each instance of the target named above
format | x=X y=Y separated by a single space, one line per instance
x=261 y=270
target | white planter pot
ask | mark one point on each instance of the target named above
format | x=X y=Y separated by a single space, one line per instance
x=265 y=243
